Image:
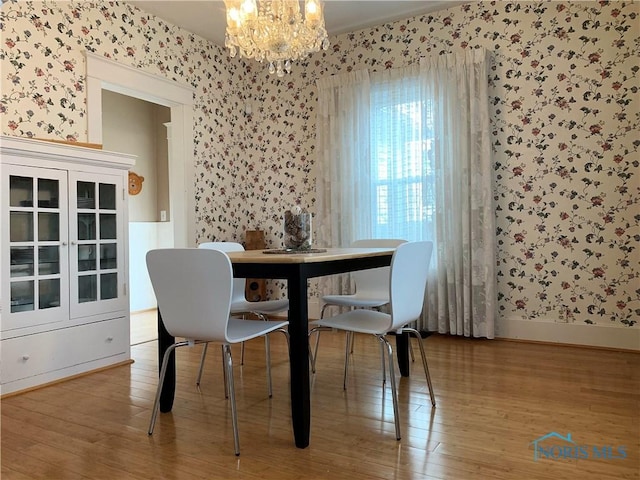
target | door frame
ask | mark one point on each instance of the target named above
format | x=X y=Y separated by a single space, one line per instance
x=107 y=74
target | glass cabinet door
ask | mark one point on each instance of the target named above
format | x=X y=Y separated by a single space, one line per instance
x=34 y=251
x=96 y=233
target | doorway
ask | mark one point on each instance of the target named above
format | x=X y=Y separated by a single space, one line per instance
x=144 y=135
x=107 y=75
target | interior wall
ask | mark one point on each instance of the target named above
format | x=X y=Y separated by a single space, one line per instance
x=564 y=110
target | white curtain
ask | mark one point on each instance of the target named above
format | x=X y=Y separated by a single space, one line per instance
x=406 y=153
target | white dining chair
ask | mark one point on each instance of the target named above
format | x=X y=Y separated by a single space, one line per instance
x=241 y=306
x=193 y=288
x=371 y=289
x=409 y=267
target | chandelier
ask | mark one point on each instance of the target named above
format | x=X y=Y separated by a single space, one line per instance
x=275 y=31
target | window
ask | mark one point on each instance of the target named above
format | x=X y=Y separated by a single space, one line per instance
x=401 y=131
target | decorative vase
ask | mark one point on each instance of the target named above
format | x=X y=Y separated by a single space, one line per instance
x=297 y=229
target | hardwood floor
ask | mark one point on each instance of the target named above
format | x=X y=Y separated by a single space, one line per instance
x=144 y=326
x=494 y=399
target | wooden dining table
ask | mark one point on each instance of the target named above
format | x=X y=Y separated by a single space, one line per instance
x=296 y=268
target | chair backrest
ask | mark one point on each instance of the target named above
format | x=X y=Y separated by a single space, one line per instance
x=374 y=283
x=409 y=270
x=238 y=283
x=193 y=290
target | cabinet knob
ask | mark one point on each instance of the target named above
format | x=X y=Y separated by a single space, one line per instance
x=109 y=339
x=25 y=357
x=64 y=244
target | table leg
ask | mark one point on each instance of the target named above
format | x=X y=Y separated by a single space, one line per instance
x=299 y=361
x=165 y=340
x=402 y=353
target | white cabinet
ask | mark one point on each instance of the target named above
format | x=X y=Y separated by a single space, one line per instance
x=64 y=306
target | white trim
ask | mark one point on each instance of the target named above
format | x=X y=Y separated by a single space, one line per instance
x=106 y=74
x=625 y=338
x=22 y=147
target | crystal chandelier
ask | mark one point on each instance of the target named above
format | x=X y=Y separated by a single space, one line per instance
x=275 y=31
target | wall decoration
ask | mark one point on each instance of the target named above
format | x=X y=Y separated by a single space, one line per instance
x=135 y=183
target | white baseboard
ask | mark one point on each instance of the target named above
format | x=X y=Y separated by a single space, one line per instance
x=624 y=338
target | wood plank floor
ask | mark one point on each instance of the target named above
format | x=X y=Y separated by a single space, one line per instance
x=494 y=399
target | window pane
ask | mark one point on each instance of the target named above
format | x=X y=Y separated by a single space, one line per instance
x=86 y=257
x=86 y=192
x=22 y=296
x=47 y=193
x=108 y=256
x=107 y=226
x=20 y=191
x=107 y=196
x=108 y=286
x=87 y=288
x=49 y=291
x=21 y=261
x=48 y=227
x=86 y=226
x=21 y=227
x=48 y=260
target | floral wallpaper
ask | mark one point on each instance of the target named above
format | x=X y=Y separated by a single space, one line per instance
x=565 y=115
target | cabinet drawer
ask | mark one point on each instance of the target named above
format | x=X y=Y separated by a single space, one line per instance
x=31 y=355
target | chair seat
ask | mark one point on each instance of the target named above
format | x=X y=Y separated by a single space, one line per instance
x=243 y=330
x=264 y=307
x=355 y=300
x=360 y=321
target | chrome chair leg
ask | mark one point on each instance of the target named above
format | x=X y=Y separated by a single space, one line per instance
x=392 y=376
x=315 y=350
x=414 y=332
x=232 y=394
x=384 y=368
x=163 y=372
x=346 y=359
x=204 y=354
x=313 y=355
x=224 y=373
x=267 y=347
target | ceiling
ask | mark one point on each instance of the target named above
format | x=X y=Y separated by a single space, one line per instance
x=207 y=18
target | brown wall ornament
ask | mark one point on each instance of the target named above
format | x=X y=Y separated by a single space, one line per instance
x=135 y=183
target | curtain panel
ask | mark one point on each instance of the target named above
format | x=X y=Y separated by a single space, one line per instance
x=372 y=138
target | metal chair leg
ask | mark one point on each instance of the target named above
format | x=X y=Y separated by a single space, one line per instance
x=392 y=376
x=315 y=350
x=424 y=362
x=224 y=373
x=204 y=354
x=163 y=372
x=346 y=359
x=267 y=347
x=232 y=394
x=384 y=369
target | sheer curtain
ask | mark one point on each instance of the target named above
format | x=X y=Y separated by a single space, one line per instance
x=405 y=153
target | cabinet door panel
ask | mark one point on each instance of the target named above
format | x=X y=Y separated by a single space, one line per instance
x=34 y=246
x=97 y=284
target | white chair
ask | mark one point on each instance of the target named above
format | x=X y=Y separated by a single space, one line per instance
x=409 y=267
x=372 y=289
x=193 y=289
x=241 y=306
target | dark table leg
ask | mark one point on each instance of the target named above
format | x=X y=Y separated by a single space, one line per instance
x=165 y=340
x=299 y=361
x=402 y=353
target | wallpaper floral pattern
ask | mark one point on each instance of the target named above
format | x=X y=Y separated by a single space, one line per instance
x=565 y=104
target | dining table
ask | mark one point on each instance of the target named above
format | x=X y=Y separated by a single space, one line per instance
x=296 y=267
